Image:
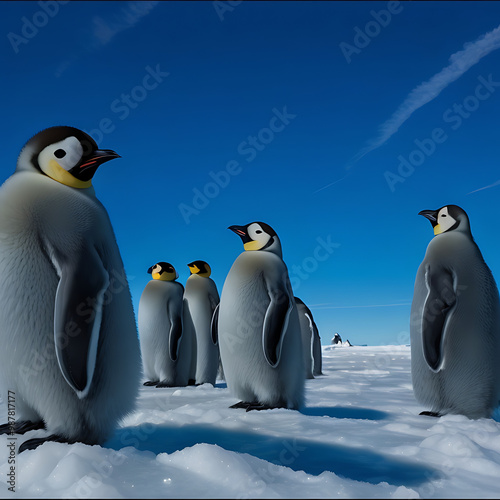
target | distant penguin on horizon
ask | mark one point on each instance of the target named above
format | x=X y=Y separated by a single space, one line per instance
x=258 y=325
x=69 y=347
x=337 y=339
x=166 y=352
x=311 y=342
x=455 y=300
x=201 y=298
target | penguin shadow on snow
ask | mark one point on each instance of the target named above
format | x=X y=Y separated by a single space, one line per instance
x=344 y=412
x=305 y=455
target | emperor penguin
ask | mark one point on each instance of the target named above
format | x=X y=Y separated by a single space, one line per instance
x=201 y=298
x=258 y=325
x=311 y=341
x=166 y=352
x=455 y=300
x=70 y=350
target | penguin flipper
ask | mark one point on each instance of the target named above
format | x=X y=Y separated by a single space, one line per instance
x=215 y=325
x=275 y=324
x=214 y=300
x=175 y=334
x=440 y=300
x=83 y=282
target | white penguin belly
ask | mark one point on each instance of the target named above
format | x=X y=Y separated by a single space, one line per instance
x=244 y=302
x=29 y=283
x=197 y=296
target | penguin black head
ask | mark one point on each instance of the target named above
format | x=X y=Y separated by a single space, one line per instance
x=66 y=154
x=447 y=218
x=201 y=268
x=258 y=236
x=163 y=271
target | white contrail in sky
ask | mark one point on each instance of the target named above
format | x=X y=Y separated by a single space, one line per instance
x=104 y=30
x=129 y=16
x=329 y=306
x=460 y=62
x=497 y=183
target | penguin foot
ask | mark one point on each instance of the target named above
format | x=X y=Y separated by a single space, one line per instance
x=164 y=384
x=31 y=444
x=149 y=383
x=241 y=404
x=259 y=406
x=22 y=427
x=430 y=413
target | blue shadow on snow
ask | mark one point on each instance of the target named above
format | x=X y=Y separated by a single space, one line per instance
x=344 y=412
x=309 y=456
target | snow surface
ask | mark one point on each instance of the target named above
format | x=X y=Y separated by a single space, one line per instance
x=360 y=436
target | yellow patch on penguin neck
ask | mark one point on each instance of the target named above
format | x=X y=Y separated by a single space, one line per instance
x=196 y=270
x=253 y=245
x=164 y=276
x=59 y=174
x=437 y=229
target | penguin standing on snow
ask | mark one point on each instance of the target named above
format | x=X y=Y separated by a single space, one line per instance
x=455 y=300
x=337 y=339
x=166 y=352
x=70 y=351
x=311 y=341
x=201 y=298
x=258 y=326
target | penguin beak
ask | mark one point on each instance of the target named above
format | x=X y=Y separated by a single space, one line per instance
x=86 y=170
x=150 y=270
x=431 y=215
x=241 y=232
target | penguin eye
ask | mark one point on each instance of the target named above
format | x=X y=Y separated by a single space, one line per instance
x=443 y=215
x=60 y=153
x=258 y=231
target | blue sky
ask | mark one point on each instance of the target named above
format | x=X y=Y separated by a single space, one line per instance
x=308 y=108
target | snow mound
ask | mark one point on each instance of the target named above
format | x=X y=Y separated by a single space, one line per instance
x=359 y=436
